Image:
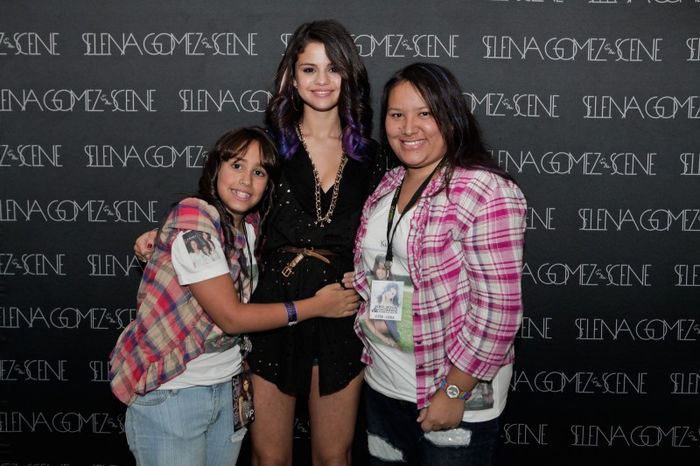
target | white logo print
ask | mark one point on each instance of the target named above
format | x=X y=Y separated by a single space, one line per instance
x=65 y=422
x=69 y=210
x=530 y=329
x=166 y=43
x=561 y=274
x=203 y=100
x=525 y=434
x=30 y=155
x=29 y=43
x=70 y=100
x=639 y=436
x=34 y=370
x=401 y=45
x=66 y=317
x=109 y=156
x=592 y=49
x=666 y=107
x=685 y=220
x=585 y=163
x=685 y=383
x=497 y=104
x=38 y=265
x=597 y=329
x=691 y=163
x=581 y=382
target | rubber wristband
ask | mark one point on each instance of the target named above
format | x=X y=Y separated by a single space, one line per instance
x=291 y=309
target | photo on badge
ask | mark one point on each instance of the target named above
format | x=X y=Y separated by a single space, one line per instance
x=386 y=301
x=243 y=407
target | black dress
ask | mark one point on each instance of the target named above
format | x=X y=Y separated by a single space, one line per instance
x=285 y=356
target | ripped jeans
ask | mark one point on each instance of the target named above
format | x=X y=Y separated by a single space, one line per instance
x=394 y=437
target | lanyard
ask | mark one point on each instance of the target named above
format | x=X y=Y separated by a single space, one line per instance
x=394 y=202
x=246 y=265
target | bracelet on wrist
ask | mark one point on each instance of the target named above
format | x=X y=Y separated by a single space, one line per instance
x=292 y=316
x=453 y=391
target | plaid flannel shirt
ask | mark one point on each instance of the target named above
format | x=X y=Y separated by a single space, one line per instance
x=465 y=249
x=170 y=326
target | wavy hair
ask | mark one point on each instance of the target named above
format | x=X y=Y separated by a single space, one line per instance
x=232 y=145
x=388 y=287
x=443 y=95
x=286 y=107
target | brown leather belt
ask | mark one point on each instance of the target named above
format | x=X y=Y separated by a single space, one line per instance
x=300 y=254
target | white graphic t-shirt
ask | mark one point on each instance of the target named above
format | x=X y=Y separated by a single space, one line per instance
x=197 y=257
x=389 y=324
x=393 y=369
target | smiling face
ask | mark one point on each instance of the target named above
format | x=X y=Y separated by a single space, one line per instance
x=412 y=131
x=390 y=293
x=316 y=79
x=242 y=182
x=380 y=271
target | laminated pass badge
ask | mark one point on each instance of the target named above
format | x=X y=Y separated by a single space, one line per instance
x=386 y=300
x=243 y=408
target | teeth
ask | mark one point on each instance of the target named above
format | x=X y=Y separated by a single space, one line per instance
x=411 y=143
x=241 y=194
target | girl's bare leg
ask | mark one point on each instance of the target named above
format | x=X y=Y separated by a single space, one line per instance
x=333 y=419
x=271 y=432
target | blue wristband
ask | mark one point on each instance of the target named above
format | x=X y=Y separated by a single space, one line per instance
x=291 y=313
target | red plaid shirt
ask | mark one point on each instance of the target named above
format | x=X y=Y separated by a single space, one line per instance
x=170 y=326
x=465 y=260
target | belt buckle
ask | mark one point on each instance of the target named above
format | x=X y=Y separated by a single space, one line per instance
x=287 y=270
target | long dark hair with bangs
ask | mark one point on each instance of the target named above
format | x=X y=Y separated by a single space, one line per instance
x=286 y=107
x=232 y=145
x=443 y=95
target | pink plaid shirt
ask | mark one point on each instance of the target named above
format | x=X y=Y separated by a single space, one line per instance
x=465 y=261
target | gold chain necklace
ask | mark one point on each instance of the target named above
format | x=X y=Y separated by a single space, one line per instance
x=322 y=220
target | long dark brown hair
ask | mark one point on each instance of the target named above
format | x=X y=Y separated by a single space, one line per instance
x=443 y=95
x=232 y=145
x=286 y=107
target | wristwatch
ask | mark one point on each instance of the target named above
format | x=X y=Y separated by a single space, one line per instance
x=453 y=391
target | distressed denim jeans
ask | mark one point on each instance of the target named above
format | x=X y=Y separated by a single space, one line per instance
x=394 y=437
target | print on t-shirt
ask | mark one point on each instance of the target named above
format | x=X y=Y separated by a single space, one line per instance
x=481 y=397
x=399 y=333
x=202 y=258
x=202 y=250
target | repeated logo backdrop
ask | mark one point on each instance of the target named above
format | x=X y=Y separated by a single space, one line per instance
x=107 y=110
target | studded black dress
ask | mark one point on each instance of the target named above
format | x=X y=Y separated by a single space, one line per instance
x=284 y=356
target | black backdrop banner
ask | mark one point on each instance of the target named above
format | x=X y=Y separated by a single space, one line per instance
x=107 y=110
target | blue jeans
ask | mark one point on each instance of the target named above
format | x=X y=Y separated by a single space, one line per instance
x=191 y=426
x=394 y=437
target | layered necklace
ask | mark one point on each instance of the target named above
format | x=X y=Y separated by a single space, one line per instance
x=322 y=220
